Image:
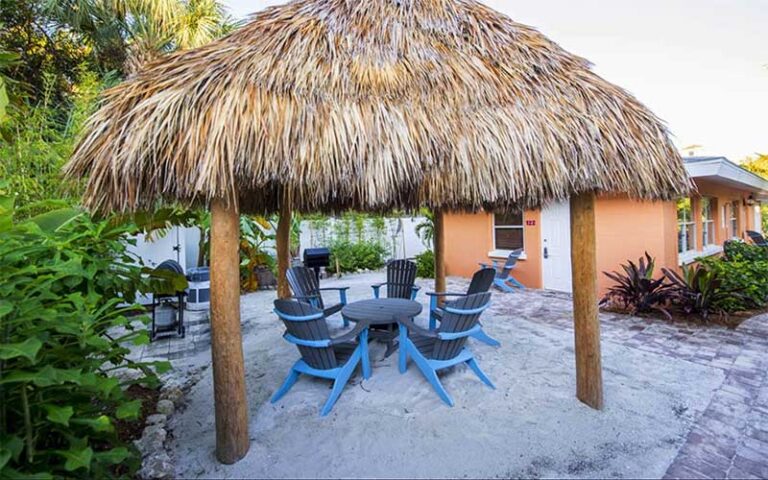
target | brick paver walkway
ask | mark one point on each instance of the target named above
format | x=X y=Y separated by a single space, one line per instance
x=730 y=438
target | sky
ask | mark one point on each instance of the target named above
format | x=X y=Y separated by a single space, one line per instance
x=700 y=65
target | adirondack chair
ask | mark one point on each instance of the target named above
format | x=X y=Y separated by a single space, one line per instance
x=504 y=277
x=434 y=350
x=307 y=289
x=757 y=238
x=481 y=283
x=321 y=355
x=401 y=276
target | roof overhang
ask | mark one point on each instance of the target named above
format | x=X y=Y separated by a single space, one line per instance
x=724 y=172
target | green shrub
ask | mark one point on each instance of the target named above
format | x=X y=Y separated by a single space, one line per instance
x=698 y=290
x=738 y=251
x=747 y=278
x=636 y=289
x=352 y=257
x=67 y=292
x=425 y=263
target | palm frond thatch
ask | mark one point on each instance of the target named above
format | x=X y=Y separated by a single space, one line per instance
x=373 y=105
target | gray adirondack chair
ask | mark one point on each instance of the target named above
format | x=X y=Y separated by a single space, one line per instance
x=481 y=283
x=306 y=288
x=321 y=356
x=434 y=350
x=504 y=276
x=401 y=276
x=757 y=238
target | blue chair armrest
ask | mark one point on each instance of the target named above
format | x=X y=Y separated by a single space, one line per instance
x=445 y=294
x=414 y=292
x=457 y=335
x=408 y=324
x=360 y=328
x=342 y=293
x=307 y=343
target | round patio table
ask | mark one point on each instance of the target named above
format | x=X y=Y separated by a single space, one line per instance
x=380 y=311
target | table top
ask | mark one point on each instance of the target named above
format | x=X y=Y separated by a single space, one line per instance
x=380 y=311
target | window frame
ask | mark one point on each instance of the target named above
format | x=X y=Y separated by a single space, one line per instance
x=690 y=221
x=733 y=219
x=708 y=236
x=520 y=227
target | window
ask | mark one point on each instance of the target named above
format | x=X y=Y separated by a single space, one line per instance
x=733 y=220
x=508 y=231
x=707 y=221
x=686 y=227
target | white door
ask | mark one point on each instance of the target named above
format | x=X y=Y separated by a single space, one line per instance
x=758 y=219
x=556 y=245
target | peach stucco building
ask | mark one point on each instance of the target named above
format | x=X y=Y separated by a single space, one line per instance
x=675 y=233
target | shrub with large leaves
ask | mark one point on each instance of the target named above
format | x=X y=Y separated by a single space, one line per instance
x=699 y=290
x=636 y=290
x=66 y=300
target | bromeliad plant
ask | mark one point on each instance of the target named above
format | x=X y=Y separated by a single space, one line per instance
x=636 y=290
x=698 y=290
x=66 y=300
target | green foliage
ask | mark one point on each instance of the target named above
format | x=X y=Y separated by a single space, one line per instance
x=66 y=302
x=40 y=145
x=741 y=275
x=425 y=264
x=352 y=257
x=426 y=228
x=699 y=290
x=637 y=290
x=759 y=165
x=738 y=250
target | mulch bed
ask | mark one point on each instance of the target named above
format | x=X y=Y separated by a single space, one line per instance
x=729 y=320
x=127 y=430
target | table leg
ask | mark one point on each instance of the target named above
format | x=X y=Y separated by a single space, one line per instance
x=366 y=356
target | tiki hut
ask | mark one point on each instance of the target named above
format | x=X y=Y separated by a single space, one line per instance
x=328 y=105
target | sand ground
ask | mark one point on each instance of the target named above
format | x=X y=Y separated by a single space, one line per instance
x=395 y=425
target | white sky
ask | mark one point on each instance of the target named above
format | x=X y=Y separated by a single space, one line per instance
x=701 y=65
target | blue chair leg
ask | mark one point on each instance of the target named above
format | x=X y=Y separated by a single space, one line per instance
x=486 y=339
x=346 y=322
x=431 y=376
x=476 y=368
x=366 y=358
x=501 y=285
x=402 y=360
x=289 y=382
x=340 y=382
x=514 y=282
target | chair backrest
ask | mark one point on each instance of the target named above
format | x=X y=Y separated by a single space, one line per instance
x=757 y=238
x=295 y=315
x=511 y=262
x=401 y=276
x=481 y=281
x=460 y=315
x=304 y=283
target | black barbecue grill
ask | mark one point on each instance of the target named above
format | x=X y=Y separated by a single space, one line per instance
x=168 y=310
x=317 y=258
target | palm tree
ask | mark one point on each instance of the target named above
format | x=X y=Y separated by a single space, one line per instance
x=426 y=228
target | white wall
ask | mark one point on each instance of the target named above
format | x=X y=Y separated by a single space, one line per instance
x=405 y=244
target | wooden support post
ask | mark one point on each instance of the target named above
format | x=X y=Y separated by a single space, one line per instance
x=283 y=242
x=589 y=375
x=439 y=245
x=226 y=341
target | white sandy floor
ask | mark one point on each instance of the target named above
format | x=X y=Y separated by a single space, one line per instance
x=395 y=425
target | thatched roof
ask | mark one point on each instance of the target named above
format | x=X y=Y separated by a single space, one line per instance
x=373 y=104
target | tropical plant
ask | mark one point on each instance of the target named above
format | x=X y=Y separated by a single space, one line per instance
x=425 y=264
x=353 y=257
x=698 y=290
x=747 y=277
x=636 y=290
x=67 y=317
x=426 y=228
x=736 y=250
x=255 y=232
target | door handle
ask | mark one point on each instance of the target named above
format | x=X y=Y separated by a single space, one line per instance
x=546 y=252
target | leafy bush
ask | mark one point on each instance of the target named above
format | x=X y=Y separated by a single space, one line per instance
x=747 y=277
x=739 y=251
x=698 y=290
x=65 y=303
x=352 y=257
x=637 y=290
x=425 y=264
